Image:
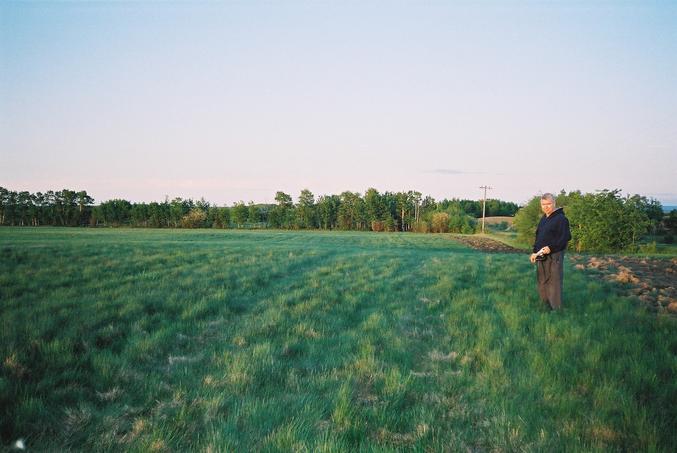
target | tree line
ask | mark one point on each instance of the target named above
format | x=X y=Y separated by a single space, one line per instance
x=61 y=208
x=604 y=221
x=371 y=211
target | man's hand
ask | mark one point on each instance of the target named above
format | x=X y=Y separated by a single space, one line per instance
x=542 y=252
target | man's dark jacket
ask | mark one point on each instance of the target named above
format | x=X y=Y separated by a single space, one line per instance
x=553 y=231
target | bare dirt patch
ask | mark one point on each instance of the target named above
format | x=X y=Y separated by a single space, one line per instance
x=485 y=244
x=652 y=280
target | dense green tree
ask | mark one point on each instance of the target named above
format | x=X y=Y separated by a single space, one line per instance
x=376 y=209
x=178 y=208
x=351 y=212
x=218 y=217
x=240 y=213
x=202 y=204
x=474 y=207
x=403 y=208
x=392 y=214
x=59 y=208
x=11 y=208
x=158 y=214
x=24 y=208
x=670 y=226
x=471 y=207
x=415 y=200
x=4 y=204
x=68 y=212
x=50 y=211
x=636 y=213
x=428 y=206
x=264 y=213
x=283 y=213
x=113 y=213
x=498 y=208
x=305 y=210
x=38 y=207
x=654 y=212
x=603 y=221
x=459 y=220
x=327 y=211
x=84 y=206
x=139 y=214
x=253 y=213
x=670 y=222
x=526 y=221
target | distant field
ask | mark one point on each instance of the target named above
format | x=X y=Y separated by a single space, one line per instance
x=206 y=340
x=496 y=220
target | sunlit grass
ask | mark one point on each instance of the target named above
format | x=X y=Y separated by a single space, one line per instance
x=313 y=341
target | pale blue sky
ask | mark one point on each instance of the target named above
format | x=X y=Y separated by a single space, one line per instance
x=236 y=100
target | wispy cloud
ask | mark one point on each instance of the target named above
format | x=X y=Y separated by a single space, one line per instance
x=452 y=171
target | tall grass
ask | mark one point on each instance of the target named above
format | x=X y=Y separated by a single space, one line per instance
x=312 y=341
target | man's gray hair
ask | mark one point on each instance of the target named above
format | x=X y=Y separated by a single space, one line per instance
x=549 y=196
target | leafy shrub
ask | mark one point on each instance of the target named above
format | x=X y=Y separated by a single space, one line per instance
x=194 y=219
x=440 y=222
x=421 y=227
x=526 y=221
x=603 y=221
x=377 y=225
x=501 y=226
x=462 y=223
x=648 y=248
x=606 y=222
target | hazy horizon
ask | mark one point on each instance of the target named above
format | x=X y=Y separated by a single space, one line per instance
x=234 y=101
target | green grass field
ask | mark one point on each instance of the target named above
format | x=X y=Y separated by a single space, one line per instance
x=179 y=340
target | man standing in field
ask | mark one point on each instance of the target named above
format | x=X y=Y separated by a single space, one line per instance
x=552 y=236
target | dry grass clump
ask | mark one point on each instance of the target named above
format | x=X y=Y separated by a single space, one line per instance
x=625 y=275
x=15 y=368
x=110 y=395
x=182 y=359
x=437 y=356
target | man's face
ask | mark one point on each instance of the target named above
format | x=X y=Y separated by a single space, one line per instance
x=547 y=206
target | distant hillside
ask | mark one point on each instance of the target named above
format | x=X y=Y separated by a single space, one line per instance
x=498 y=219
x=668 y=208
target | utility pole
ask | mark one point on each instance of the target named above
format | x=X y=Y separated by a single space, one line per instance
x=484 y=204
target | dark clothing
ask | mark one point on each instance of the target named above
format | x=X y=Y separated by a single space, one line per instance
x=550 y=275
x=553 y=231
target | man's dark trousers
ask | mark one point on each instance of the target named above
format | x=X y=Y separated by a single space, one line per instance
x=550 y=274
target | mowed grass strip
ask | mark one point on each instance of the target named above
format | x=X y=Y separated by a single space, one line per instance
x=314 y=341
